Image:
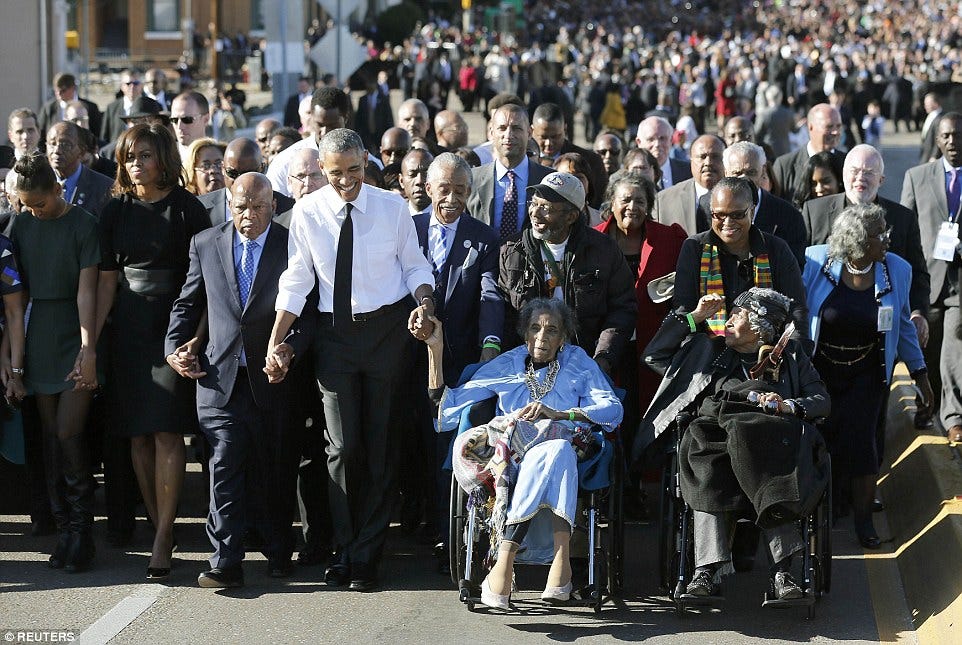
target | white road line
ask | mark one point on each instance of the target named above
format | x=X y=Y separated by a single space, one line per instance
x=122 y=614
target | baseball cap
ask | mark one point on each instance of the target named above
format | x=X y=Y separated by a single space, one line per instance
x=560 y=186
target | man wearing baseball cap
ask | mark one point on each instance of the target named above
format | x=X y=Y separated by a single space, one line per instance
x=559 y=256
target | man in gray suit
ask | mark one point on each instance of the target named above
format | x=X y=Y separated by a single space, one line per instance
x=499 y=197
x=825 y=132
x=932 y=191
x=776 y=123
x=686 y=203
x=82 y=186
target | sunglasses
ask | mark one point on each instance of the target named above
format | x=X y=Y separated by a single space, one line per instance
x=736 y=216
x=233 y=173
x=187 y=120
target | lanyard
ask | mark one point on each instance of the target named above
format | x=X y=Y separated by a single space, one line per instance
x=557 y=277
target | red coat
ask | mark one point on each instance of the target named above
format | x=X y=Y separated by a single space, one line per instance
x=659 y=255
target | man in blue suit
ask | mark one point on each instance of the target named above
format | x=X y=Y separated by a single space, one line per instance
x=463 y=253
x=243 y=400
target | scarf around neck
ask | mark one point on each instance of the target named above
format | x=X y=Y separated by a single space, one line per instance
x=711 y=282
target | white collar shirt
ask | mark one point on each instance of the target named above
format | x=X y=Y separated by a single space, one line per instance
x=387 y=262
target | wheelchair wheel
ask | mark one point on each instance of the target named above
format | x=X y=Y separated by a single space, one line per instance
x=457 y=549
x=823 y=543
x=616 y=522
x=670 y=526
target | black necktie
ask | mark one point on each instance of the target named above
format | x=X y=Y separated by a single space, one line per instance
x=343 y=266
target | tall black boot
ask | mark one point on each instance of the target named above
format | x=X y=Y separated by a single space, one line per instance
x=53 y=475
x=80 y=498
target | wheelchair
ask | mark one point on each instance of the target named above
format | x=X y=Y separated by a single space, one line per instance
x=599 y=519
x=676 y=542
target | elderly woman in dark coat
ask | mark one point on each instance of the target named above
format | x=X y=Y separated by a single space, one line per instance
x=734 y=457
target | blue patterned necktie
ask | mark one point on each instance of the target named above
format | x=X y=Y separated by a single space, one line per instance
x=440 y=253
x=955 y=191
x=245 y=276
x=509 y=213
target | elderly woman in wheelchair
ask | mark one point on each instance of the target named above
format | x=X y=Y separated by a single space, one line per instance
x=747 y=446
x=551 y=398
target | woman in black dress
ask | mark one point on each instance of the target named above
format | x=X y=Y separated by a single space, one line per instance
x=145 y=233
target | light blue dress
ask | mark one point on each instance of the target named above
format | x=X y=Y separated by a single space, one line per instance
x=548 y=474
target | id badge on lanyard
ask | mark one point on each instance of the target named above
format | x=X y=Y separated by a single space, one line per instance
x=946 y=241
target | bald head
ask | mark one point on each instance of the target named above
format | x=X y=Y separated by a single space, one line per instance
x=863 y=174
x=824 y=127
x=242 y=155
x=304 y=175
x=252 y=204
x=413 y=117
x=395 y=143
x=738 y=128
x=654 y=135
x=450 y=129
x=263 y=132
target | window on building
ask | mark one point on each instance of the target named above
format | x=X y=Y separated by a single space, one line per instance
x=163 y=15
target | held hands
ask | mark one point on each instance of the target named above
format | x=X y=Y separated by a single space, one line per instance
x=84 y=372
x=184 y=361
x=708 y=305
x=766 y=400
x=421 y=322
x=278 y=362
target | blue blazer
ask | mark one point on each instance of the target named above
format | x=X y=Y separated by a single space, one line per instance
x=466 y=291
x=891 y=290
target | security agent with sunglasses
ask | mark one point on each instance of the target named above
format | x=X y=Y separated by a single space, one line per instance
x=735 y=256
x=559 y=256
x=242 y=156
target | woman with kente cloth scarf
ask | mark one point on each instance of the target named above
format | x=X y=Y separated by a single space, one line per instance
x=734 y=256
x=747 y=450
x=550 y=395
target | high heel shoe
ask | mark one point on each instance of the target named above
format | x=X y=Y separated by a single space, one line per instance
x=867 y=537
x=493 y=600
x=557 y=594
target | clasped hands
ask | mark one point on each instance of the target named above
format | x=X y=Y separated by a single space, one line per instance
x=84 y=372
x=184 y=361
x=537 y=410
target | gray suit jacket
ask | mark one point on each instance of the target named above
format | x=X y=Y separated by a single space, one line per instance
x=791 y=165
x=819 y=216
x=677 y=205
x=923 y=192
x=481 y=201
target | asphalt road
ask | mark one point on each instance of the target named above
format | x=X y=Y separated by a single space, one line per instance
x=113 y=603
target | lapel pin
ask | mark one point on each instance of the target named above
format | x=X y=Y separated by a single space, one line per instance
x=467 y=244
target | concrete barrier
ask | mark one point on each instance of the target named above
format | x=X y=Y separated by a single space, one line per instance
x=921 y=484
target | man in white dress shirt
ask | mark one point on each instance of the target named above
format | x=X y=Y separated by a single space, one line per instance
x=359 y=245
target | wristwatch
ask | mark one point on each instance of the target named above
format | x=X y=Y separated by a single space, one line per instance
x=19 y=371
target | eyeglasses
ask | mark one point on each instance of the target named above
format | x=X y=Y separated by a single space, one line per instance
x=233 y=173
x=187 y=120
x=884 y=236
x=207 y=166
x=740 y=215
x=314 y=176
x=868 y=173
x=546 y=209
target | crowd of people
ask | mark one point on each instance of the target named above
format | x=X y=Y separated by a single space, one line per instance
x=303 y=303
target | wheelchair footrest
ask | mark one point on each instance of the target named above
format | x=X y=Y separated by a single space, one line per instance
x=805 y=601
x=691 y=600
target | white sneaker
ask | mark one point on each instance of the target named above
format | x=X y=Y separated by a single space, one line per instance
x=557 y=594
x=493 y=600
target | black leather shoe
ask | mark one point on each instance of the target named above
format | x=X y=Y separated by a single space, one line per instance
x=877 y=505
x=80 y=553
x=785 y=587
x=443 y=558
x=59 y=557
x=217 y=578
x=702 y=584
x=158 y=573
x=337 y=575
x=363 y=577
x=923 y=421
x=869 y=541
x=280 y=568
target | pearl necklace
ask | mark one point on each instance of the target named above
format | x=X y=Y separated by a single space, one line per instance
x=539 y=390
x=854 y=271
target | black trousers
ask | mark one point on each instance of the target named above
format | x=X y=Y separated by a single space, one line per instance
x=253 y=475
x=359 y=368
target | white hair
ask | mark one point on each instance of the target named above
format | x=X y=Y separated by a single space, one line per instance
x=450 y=162
x=754 y=153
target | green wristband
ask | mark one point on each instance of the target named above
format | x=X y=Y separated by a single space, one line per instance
x=571 y=415
x=691 y=322
x=490 y=345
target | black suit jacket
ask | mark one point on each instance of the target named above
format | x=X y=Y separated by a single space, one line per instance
x=680 y=171
x=905 y=241
x=383 y=119
x=929 y=150
x=778 y=217
x=211 y=285
x=466 y=291
x=112 y=125
x=50 y=114
x=93 y=191
x=291 y=118
x=791 y=165
x=216 y=206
